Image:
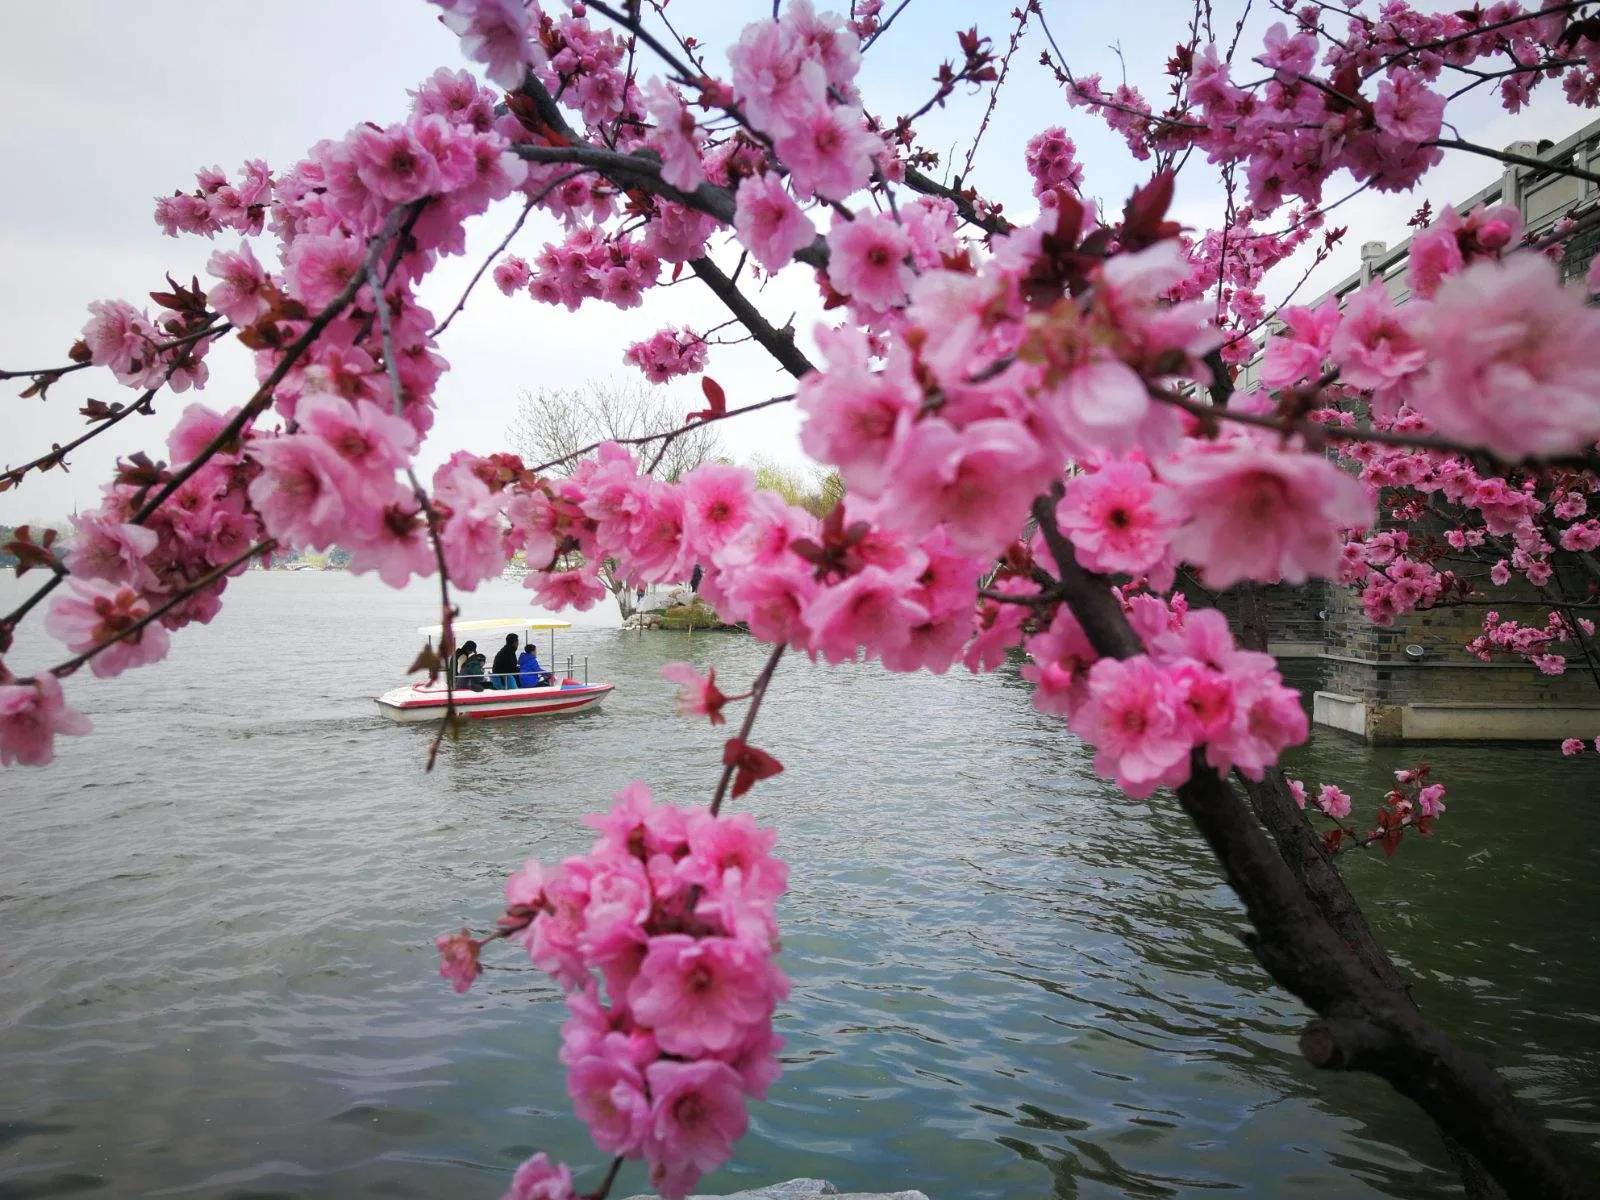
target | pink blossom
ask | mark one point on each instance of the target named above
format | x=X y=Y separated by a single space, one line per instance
x=298 y=493
x=197 y=428
x=1051 y=159
x=498 y=34
x=700 y=696
x=1297 y=791
x=113 y=551
x=317 y=267
x=676 y=136
x=1254 y=511
x=977 y=481
x=1129 y=719
x=1406 y=109
x=830 y=154
x=607 y=1091
x=579 y=589
x=101 y=612
x=1375 y=347
x=867 y=260
x=1333 y=801
x=243 y=293
x=1430 y=800
x=1062 y=656
x=697 y=1113
x=540 y=1179
x=31 y=715
x=119 y=337
x=1513 y=359
x=870 y=609
x=458 y=958
x=374 y=444
x=396 y=546
x=1571 y=746
x=668 y=353
x=702 y=994
x=775 y=83
x=769 y=223
x=854 y=414
x=716 y=505
x=1297 y=355
x=511 y=274
x=1118 y=518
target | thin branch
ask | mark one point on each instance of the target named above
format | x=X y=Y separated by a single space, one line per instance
x=156 y=348
x=669 y=434
x=430 y=514
x=777 y=342
x=496 y=253
x=263 y=394
x=758 y=692
x=1521 y=160
x=62 y=670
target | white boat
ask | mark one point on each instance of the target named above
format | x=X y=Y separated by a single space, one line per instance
x=429 y=701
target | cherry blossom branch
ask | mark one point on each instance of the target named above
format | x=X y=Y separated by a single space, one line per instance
x=758 y=692
x=62 y=670
x=391 y=366
x=674 y=434
x=1021 y=13
x=156 y=348
x=777 y=342
x=1475 y=32
x=604 y=1190
x=1317 y=434
x=669 y=434
x=1362 y=1024
x=262 y=397
x=58 y=453
x=1520 y=160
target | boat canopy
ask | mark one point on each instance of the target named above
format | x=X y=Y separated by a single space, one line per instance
x=459 y=627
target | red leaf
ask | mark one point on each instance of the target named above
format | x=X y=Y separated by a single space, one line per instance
x=750 y=765
x=715 y=396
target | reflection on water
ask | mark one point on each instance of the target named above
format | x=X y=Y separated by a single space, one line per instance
x=1009 y=982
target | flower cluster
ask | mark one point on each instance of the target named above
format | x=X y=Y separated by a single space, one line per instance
x=1413 y=803
x=663 y=938
x=1145 y=715
x=1535 y=644
x=668 y=353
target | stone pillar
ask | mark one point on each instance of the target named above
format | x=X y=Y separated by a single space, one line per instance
x=1412 y=681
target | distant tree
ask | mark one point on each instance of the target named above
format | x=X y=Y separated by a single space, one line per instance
x=554 y=423
x=817 y=491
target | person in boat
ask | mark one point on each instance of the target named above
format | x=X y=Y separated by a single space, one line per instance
x=529 y=673
x=471 y=672
x=505 y=664
x=465 y=651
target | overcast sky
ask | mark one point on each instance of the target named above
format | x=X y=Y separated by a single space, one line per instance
x=113 y=104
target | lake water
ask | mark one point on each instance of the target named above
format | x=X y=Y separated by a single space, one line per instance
x=217 y=976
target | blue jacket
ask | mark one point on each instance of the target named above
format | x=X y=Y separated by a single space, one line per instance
x=529 y=672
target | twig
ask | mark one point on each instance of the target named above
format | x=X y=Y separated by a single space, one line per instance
x=430 y=515
x=758 y=692
x=62 y=670
x=494 y=254
x=263 y=394
x=669 y=434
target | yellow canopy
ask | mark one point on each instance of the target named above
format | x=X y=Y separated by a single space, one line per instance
x=460 y=627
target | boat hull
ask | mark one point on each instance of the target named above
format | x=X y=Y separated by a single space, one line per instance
x=428 y=702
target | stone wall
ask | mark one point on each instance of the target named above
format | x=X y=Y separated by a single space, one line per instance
x=1370 y=686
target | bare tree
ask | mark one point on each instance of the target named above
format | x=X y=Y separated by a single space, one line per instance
x=556 y=423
